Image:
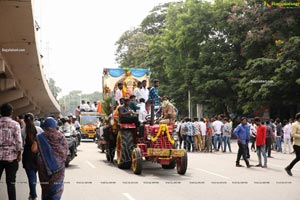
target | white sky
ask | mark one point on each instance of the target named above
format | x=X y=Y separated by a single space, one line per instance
x=77 y=37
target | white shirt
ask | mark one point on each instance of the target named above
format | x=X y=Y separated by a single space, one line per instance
x=287 y=130
x=142 y=113
x=202 y=128
x=118 y=95
x=252 y=129
x=145 y=93
x=86 y=107
x=93 y=108
x=138 y=93
x=217 y=125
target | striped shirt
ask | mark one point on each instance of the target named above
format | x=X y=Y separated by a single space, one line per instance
x=10 y=139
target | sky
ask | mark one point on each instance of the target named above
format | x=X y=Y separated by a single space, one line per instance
x=77 y=37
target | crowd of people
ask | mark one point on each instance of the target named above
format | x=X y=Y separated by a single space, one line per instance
x=43 y=152
x=137 y=107
x=211 y=135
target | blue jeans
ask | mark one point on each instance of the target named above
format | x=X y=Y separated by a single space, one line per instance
x=218 y=137
x=32 y=179
x=190 y=143
x=278 y=144
x=226 y=140
x=261 y=150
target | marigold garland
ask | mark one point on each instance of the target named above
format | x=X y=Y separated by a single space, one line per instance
x=163 y=128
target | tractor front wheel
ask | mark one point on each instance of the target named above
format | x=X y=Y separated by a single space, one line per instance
x=137 y=161
x=182 y=164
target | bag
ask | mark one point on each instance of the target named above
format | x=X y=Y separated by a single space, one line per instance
x=34 y=147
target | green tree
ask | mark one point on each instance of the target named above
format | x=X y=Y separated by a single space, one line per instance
x=54 y=89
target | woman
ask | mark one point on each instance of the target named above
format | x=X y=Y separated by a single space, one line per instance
x=29 y=160
x=51 y=160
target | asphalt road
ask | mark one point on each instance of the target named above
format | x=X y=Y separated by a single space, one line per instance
x=209 y=176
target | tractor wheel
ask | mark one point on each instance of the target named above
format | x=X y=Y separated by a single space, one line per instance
x=172 y=165
x=137 y=159
x=124 y=149
x=182 y=164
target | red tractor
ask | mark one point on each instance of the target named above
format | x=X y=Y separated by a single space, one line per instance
x=156 y=145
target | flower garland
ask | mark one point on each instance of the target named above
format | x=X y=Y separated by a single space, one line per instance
x=163 y=128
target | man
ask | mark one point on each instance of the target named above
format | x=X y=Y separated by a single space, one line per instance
x=287 y=129
x=10 y=148
x=118 y=93
x=144 y=90
x=227 y=134
x=253 y=135
x=138 y=91
x=145 y=110
x=116 y=111
x=203 y=133
x=183 y=133
x=261 y=132
x=189 y=128
x=242 y=132
x=278 y=135
x=197 y=135
x=153 y=93
x=133 y=103
x=81 y=107
x=127 y=115
x=93 y=107
x=77 y=112
x=168 y=112
x=269 y=139
x=296 y=144
x=86 y=106
x=218 y=128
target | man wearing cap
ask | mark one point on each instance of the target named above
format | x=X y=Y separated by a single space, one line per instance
x=242 y=132
x=168 y=112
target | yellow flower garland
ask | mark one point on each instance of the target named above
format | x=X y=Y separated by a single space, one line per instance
x=163 y=128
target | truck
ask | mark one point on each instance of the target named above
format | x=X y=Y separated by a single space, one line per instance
x=89 y=122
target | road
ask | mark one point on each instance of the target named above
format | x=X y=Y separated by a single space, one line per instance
x=209 y=176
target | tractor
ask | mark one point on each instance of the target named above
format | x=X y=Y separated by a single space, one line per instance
x=157 y=144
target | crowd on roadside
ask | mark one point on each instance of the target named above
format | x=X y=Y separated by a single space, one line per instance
x=211 y=135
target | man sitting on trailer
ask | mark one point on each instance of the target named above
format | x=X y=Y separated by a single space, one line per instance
x=168 y=112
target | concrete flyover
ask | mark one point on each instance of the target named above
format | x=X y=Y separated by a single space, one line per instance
x=22 y=79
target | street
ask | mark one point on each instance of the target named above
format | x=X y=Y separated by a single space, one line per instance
x=209 y=176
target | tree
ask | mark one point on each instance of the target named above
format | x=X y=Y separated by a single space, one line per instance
x=54 y=89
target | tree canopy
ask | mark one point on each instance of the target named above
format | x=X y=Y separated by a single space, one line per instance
x=233 y=56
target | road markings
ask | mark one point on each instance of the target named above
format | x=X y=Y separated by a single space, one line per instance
x=212 y=173
x=90 y=164
x=128 y=196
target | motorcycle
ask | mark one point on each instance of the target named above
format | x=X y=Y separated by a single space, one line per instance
x=72 y=147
